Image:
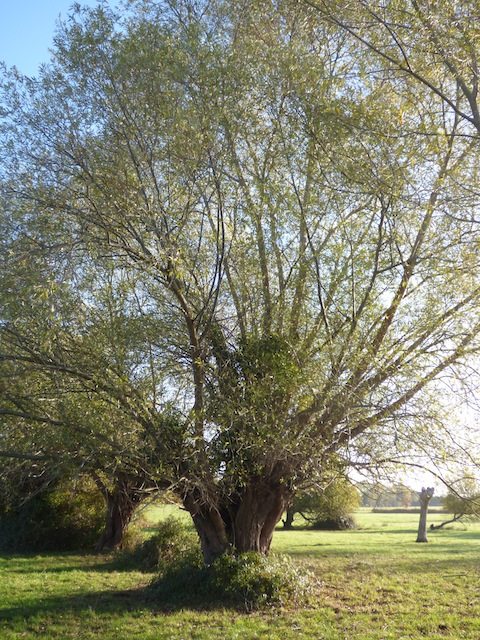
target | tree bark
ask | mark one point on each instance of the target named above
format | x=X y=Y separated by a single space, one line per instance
x=121 y=504
x=289 y=516
x=241 y=525
x=257 y=514
x=443 y=524
x=210 y=526
x=425 y=497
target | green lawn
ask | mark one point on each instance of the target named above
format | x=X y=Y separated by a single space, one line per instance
x=373 y=583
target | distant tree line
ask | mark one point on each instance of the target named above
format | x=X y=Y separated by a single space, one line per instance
x=399 y=496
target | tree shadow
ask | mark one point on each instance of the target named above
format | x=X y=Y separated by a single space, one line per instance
x=98 y=563
x=97 y=601
x=185 y=588
x=107 y=602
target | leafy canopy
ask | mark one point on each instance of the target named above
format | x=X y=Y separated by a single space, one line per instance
x=234 y=245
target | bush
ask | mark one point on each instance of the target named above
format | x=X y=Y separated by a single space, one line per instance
x=464 y=501
x=335 y=524
x=329 y=508
x=68 y=516
x=255 y=581
x=249 y=581
x=171 y=549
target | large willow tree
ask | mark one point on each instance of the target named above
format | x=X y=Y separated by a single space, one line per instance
x=234 y=243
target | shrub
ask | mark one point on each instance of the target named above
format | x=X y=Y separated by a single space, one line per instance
x=464 y=500
x=335 y=524
x=329 y=508
x=249 y=581
x=68 y=516
x=255 y=581
x=171 y=549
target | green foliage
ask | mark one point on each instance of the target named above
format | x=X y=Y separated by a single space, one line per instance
x=255 y=380
x=330 y=508
x=20 y=480
x=463 y=499
x=340 y=523
x=229 y=208
x=170 y=550
x=255 y=581
x=67 y=516
x=248 y=581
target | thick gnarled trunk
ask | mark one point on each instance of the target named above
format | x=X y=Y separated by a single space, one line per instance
x=257 y=515
x=242 y=523
x=212 y=533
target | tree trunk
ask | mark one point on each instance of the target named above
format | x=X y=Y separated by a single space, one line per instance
x=244 y=523
x=121 y=505
x=210 y=526
x=425 y=497
x=289 y=516
x=259 y=511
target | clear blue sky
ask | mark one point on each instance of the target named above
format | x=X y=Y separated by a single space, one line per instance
x=27 y=28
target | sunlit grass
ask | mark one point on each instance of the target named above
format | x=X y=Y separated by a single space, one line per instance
x=373 y=583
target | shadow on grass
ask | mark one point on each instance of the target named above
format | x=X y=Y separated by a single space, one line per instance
x=94 y=563
x=443 y=554
x=240 y=584
x=188 y=588
x=96 y=601
x=109 y=602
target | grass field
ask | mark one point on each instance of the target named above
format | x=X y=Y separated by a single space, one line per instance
x=373 y=583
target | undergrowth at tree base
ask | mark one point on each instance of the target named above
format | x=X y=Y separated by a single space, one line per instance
x=247 y=581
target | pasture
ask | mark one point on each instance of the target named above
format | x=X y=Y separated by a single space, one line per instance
x=373 y=583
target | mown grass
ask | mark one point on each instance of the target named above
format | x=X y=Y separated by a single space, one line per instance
x=374 y=583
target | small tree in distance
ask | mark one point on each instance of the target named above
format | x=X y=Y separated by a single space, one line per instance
x=463 y=501
x=425 y=496
x=330 y=507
